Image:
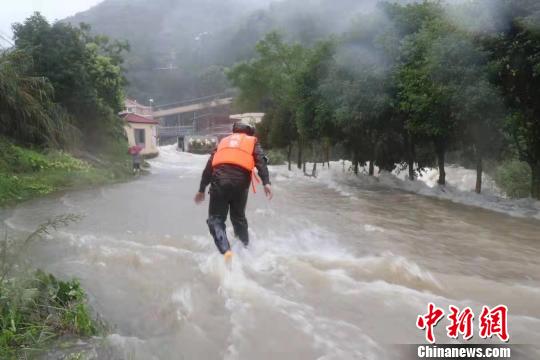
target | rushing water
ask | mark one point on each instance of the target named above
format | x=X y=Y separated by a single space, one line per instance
x=330 y=274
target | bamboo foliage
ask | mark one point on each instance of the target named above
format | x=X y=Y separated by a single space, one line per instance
x=27 y=111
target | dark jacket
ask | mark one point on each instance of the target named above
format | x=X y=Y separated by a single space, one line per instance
x=235 y=173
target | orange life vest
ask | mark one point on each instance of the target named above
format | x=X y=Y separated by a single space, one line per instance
x=236 y=149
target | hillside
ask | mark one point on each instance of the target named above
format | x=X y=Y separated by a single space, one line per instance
x=179 y=48
x=168 y=41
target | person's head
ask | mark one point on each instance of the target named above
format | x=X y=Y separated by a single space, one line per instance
x=243 y=128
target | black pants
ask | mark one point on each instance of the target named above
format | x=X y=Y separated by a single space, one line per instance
x=225 y=195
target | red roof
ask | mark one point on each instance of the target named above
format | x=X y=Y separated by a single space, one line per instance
x=138 y=119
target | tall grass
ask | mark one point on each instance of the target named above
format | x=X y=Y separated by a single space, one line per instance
x=26 y=173
x=27 y=110
x=35 y=307
x=513 y=177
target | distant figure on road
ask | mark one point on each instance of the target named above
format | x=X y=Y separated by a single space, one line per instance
x=230 y=172
x=136 y=157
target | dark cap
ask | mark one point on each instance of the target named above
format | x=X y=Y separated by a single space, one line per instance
x=243 y=128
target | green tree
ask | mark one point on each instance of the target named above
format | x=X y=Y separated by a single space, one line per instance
x=458 y=66
x=313 y=118
x=281 y=130
x=268 y=83
x=361 y=112
x=403 y=22
x=516 y=58
x=423 y=92
x=480 y=112
x=27 y=112
x=84 y=71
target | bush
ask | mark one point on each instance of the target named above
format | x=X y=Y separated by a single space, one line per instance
x=16 y=159
x=276 y=157
x=26 y=173
x=35 y=307
x=514 y=178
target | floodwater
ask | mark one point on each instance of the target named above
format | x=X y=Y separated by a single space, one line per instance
x=330 y=274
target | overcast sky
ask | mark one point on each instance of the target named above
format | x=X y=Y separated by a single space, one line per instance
x=17 y=10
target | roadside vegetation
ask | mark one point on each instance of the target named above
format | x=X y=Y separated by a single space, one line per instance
x=407 y=85
x=26 y=173
x=513 y=177
x=35 y=307
x=60 y=92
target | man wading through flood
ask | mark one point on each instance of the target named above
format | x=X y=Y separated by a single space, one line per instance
x=230 y=172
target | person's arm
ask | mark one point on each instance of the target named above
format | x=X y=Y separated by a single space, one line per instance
x=206 y=175
x=262 y=168
x=205 y=180
x=261 y=164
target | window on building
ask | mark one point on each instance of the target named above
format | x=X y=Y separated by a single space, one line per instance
x=140 y=136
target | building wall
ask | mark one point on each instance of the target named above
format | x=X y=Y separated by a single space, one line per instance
x=151 y=147
x=199 y=119
x=136 y=108
x=248 y=118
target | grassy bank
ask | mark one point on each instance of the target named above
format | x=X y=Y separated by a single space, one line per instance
x=35 y=307
x=27 y=173
x=513 y=177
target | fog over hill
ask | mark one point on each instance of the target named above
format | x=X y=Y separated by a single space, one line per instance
x=179 y=48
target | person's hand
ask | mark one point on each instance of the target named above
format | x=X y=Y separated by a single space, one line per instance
x=268 y=191
x=199 y=198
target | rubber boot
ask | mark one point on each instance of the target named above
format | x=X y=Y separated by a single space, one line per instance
x=216 y=226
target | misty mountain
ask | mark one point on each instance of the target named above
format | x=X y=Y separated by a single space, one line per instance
x=179 y=48
x=164 y=25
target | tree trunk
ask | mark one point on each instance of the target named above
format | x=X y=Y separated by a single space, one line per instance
x=411 y=169
x=327 y=153
x=289 y=155
x=300 y=159
x=535 y=184
x=442 y=173
x=315 y=157
x=355 y=162
x=479 y=170
x=411 y=157
x=371 y=168
x=304 y=168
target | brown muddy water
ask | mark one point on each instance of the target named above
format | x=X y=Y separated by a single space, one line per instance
x=330 y=274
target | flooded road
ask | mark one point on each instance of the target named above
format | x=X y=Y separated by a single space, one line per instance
x=333 y=272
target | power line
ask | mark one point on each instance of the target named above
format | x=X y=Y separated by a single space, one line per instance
x=6 y=39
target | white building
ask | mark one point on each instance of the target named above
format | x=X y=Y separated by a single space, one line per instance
x=132 y=106
x=248 y=118
x=140 y=127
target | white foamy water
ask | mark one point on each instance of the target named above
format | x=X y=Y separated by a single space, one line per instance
x=459 y=189
x=339 y=267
